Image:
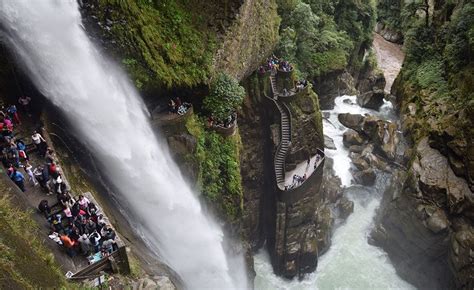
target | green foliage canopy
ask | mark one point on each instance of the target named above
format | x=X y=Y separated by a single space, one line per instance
x=226 y=96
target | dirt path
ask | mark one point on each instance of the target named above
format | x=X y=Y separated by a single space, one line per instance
x=389 y=58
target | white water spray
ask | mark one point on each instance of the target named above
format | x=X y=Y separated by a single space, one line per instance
x=350 y=263
x=112 y=121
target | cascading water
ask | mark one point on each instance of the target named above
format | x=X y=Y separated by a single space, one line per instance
x=350 y=263
x=112 y=121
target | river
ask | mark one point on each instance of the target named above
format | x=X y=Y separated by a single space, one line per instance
x=350 y=263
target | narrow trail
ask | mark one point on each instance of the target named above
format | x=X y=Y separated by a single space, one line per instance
x=389 y=59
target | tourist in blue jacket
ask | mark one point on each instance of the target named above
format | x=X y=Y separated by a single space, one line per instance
x=19 y=179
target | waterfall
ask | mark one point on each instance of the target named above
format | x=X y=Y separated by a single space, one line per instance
x=112 y=122
x=350 y=263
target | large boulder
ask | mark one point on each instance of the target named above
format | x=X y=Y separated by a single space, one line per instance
x=366 y=177
x=351 y=137
x=345 y=207
x=371 y=100
x=375 y=80
x=352 y=121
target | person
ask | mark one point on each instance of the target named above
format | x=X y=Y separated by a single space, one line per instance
x=19 y=179
x=94 y=239
x=28 y=170
x=171 y=106
x=8 y=123
x=12 y=111
x=50 y=156
x=56 y=221
x=24 y=102
x=84 y=244
x=83 y=202
x=44 y=208
x=69 y=244
x=91 y=226
x=53 y=170
x=39 y=141
x=20 y=145
x=178 y=102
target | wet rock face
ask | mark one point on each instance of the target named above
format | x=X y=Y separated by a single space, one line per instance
x=330 y=86
x=426 y=223
x=352 y=121
x=371 y=99
x=351 y=137
x=372 y=81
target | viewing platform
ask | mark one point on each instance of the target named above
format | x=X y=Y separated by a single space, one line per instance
x=226 y=131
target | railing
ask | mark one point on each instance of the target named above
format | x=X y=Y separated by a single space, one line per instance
x=313 y=181
x=226 y=131
x=116 y=262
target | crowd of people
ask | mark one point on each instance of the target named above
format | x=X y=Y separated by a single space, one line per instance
x=273 y=63
x=301 y=84
x=75 y=223
x=226 y=123
x=176 y=106
x=297 y=179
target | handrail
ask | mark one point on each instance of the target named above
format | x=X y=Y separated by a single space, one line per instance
x=284 y=109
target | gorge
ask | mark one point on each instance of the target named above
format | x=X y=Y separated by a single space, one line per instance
x=265 y=144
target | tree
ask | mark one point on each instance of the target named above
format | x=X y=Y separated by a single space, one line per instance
x=226 y=96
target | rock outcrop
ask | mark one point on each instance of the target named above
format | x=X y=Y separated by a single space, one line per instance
x=371 y=99
x=426 y=223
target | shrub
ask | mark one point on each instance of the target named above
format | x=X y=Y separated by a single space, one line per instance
x=226 y=96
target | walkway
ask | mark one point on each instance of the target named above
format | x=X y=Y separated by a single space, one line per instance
x=284 y=182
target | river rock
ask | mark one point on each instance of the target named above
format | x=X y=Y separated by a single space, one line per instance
x=356 y=148
x=331 y=186
x=329 y=143
x=374 y=128
x=360 y=163
x=371 y=100
x=373 y=81
x=352 y=121
x=461 y=257
x=164 y=283
x=351 y=137
x=437 y=221
x=345 y=207
x=366 y=177
x=147 y=283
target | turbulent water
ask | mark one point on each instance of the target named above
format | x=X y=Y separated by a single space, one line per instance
x=48 y=38
x=350 y=263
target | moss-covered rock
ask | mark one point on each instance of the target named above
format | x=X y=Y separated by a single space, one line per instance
x=25 y=262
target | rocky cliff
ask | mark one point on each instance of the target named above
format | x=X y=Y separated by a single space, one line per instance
x=425 y=223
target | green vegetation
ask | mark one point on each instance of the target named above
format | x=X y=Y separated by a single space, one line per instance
x=389 y=14
x=162 y=41
x=225 y=97
x=439 y=57
x=218 y=159
x=25 y=263
x=324 y=36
